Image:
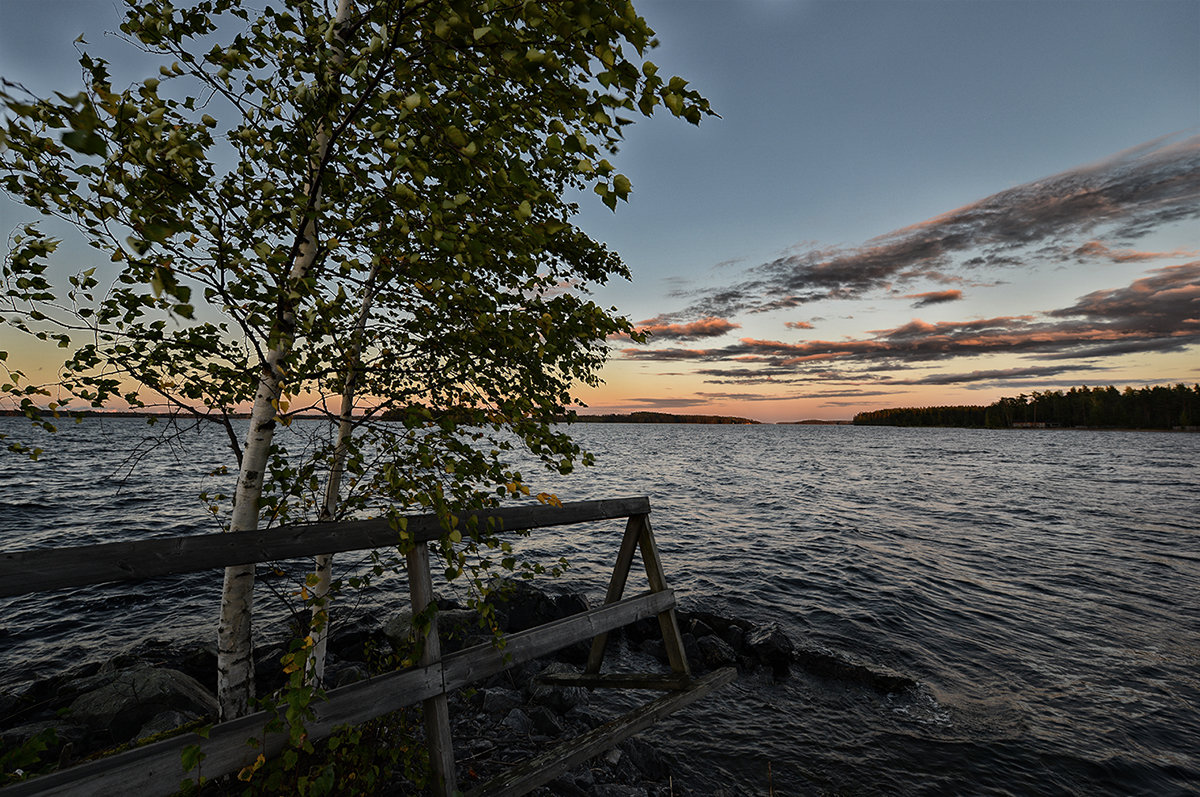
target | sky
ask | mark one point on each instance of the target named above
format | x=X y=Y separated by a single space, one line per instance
x=903 y=202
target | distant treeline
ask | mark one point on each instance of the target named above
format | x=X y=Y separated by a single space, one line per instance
x=655 y=417
x=1158 y=407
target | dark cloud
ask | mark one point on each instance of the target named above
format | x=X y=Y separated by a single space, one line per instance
x=1005 y=375
x=798 y=325
x=667 y=402
x=1125 y=196
x=933 y=297
x=1157 y=313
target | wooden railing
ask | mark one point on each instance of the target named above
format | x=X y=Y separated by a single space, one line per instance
x=157 y=768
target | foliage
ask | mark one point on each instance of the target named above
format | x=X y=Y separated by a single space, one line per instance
x=353 y=760
x=1157 y=407
x=19 y=762
x=355 y=212
x=456 y=132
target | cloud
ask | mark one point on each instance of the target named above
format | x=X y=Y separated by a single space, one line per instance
x=704 y=328
x=998 y=375
x=1157 y=313
x=667 y=402
x=798 y=325
x=933 y=297
x=1098 y=250
x=1123 y=197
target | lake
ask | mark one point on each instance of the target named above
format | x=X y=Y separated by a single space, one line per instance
x=1039 y=586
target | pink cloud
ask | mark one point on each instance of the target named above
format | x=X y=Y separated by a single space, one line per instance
x=704 y=328
x=1100 y=250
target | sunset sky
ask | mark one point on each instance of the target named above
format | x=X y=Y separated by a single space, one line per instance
x=904 y=203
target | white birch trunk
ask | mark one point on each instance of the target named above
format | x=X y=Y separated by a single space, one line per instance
x=235 y=649
x=324 y=562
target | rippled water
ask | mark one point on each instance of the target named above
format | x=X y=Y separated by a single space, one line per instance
x=1039 y=587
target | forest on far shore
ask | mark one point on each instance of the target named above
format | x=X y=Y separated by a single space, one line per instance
x=1158 y=407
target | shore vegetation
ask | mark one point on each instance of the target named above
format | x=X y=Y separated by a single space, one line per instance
x=1158 y=407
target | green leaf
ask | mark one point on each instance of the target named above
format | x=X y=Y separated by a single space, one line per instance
x=85 y=141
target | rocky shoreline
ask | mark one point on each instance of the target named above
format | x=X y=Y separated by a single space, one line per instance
x=156 y=687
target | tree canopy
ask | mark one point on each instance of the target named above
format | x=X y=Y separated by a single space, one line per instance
x=360 y=210
x=1156 y=407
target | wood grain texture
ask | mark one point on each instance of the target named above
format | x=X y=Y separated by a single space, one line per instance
x=43 y=569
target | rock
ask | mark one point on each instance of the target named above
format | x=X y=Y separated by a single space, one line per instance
x=646 y=628
x=771 y=647
x=499 y=700
x=559 y=698
x=585 y=717
x=520 y=606
x=545 y=722
x=398 y=628
x=459 y=628
x=735 y=637
x=517 y=721
x=481 y=746
x=577 y=783
x=618 y=790
x=569 y=604
x=655 y=648
x=691 y=650
x=647 y=759
x=715 y=652
x=199 y=661
x=621 y=768
x=828 y=664
x=134 y=697
x=55 y=735
x=165 y=721
x=353 y=640
x=348 y=673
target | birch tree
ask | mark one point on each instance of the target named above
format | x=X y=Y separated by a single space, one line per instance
x=362 y=210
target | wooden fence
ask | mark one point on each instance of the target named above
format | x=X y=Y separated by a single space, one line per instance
x=157 y=768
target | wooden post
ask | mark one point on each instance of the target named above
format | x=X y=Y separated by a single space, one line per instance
x=616 y=587
x=437 y=711
x=667 y=621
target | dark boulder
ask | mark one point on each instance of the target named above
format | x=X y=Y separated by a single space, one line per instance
x=520 y=606
x=715 y=652
x=518 y=722
x=500 y=701
x=647 y=759
x=771 y=647
x=131 y=699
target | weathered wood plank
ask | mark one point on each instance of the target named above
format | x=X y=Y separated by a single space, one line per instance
x=544 y=768
x=618 y=680
x=437 y=712
x=39 y=570
x=156 y=768
x=616 y=587
x=668 y=622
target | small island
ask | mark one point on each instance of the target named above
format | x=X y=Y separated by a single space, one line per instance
x=654 y=417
